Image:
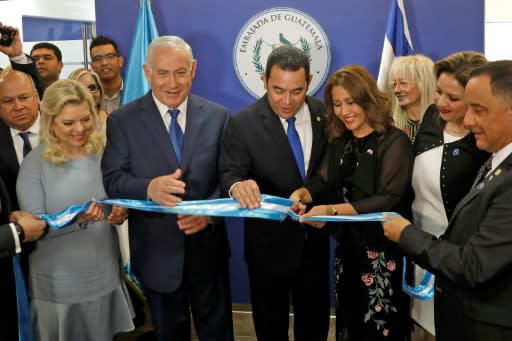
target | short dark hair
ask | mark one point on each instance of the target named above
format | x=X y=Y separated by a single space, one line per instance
x=102 y=40
x=50 y=46
x=500 y=73
x=288 y=58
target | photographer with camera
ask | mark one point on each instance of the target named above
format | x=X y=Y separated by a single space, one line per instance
x=12 y=46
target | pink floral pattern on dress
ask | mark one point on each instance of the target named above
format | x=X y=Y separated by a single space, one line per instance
x=379 y=290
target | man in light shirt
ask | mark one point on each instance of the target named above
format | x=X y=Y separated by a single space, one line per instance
x=107 y=63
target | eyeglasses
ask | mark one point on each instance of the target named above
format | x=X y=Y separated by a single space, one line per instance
x=93 y=87
x=401 y=85
x=108 y=57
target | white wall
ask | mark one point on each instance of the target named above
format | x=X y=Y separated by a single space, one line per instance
x=498 y=29
x=82 y=10
x=11 y=12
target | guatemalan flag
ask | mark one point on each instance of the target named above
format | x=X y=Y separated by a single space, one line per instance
x=397 y=41
x=135 y=83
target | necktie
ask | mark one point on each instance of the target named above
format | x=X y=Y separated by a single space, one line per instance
x=482 y=172
x=176 y=134
x=293 y=139
x=27 y=147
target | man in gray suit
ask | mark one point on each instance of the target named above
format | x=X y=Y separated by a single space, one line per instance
x=472 y=261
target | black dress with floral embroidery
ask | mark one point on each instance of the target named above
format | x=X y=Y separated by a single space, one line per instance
x=373 y=174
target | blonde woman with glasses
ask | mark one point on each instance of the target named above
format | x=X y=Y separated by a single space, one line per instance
x=411 y=89
x=92 y=82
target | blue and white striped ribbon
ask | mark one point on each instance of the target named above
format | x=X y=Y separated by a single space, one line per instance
x=425 y=288
x=272 y=207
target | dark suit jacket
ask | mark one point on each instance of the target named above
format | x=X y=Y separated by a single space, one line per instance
x=256 y=147
x=9 y=165
x=31 y=70
x=8 y=311
x=472 y=261
x=9 y=168
x=138 y=150
x=7 y=246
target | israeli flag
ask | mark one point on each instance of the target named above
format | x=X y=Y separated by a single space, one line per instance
x=135 y=83
x=397 y=41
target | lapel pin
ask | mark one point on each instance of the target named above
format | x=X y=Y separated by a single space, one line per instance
x=498 y=172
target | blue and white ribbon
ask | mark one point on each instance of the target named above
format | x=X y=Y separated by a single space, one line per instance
x=271 y=207
x=425 y=288
x=342 y=218
x=66 y=217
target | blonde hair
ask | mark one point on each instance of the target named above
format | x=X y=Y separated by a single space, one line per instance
x=78 y=73
x=419 y=70
x=56 y=96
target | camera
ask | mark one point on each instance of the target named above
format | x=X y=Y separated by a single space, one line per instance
x=6 y=36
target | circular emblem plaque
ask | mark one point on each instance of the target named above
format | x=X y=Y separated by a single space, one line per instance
x=273 y=28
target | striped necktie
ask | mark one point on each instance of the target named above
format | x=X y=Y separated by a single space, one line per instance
x=176 y=134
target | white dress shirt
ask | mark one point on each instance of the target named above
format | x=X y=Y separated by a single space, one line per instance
x=304 y=130
x=166 y=117
x=33 y=137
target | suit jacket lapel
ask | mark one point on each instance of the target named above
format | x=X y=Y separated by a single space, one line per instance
x=274 y=127
x=7 y=151
x=152 y=119
x=504 y=166
x=317 y=126
x=196 y=119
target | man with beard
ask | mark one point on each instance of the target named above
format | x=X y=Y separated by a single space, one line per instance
x=107 y=63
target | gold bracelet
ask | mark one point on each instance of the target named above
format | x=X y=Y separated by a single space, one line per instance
x=333 y=210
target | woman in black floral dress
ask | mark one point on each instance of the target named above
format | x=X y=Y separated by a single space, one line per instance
x=366 y=168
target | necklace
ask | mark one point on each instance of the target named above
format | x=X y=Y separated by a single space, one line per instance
x=456 y=131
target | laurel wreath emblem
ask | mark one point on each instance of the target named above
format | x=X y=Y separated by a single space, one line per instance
x=256 y=53
x=306 y=47
x=256 y=57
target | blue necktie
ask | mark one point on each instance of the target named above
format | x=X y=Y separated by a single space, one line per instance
x=176 y=134
x=24 y=322
x=27 y=147
x=293 y=139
